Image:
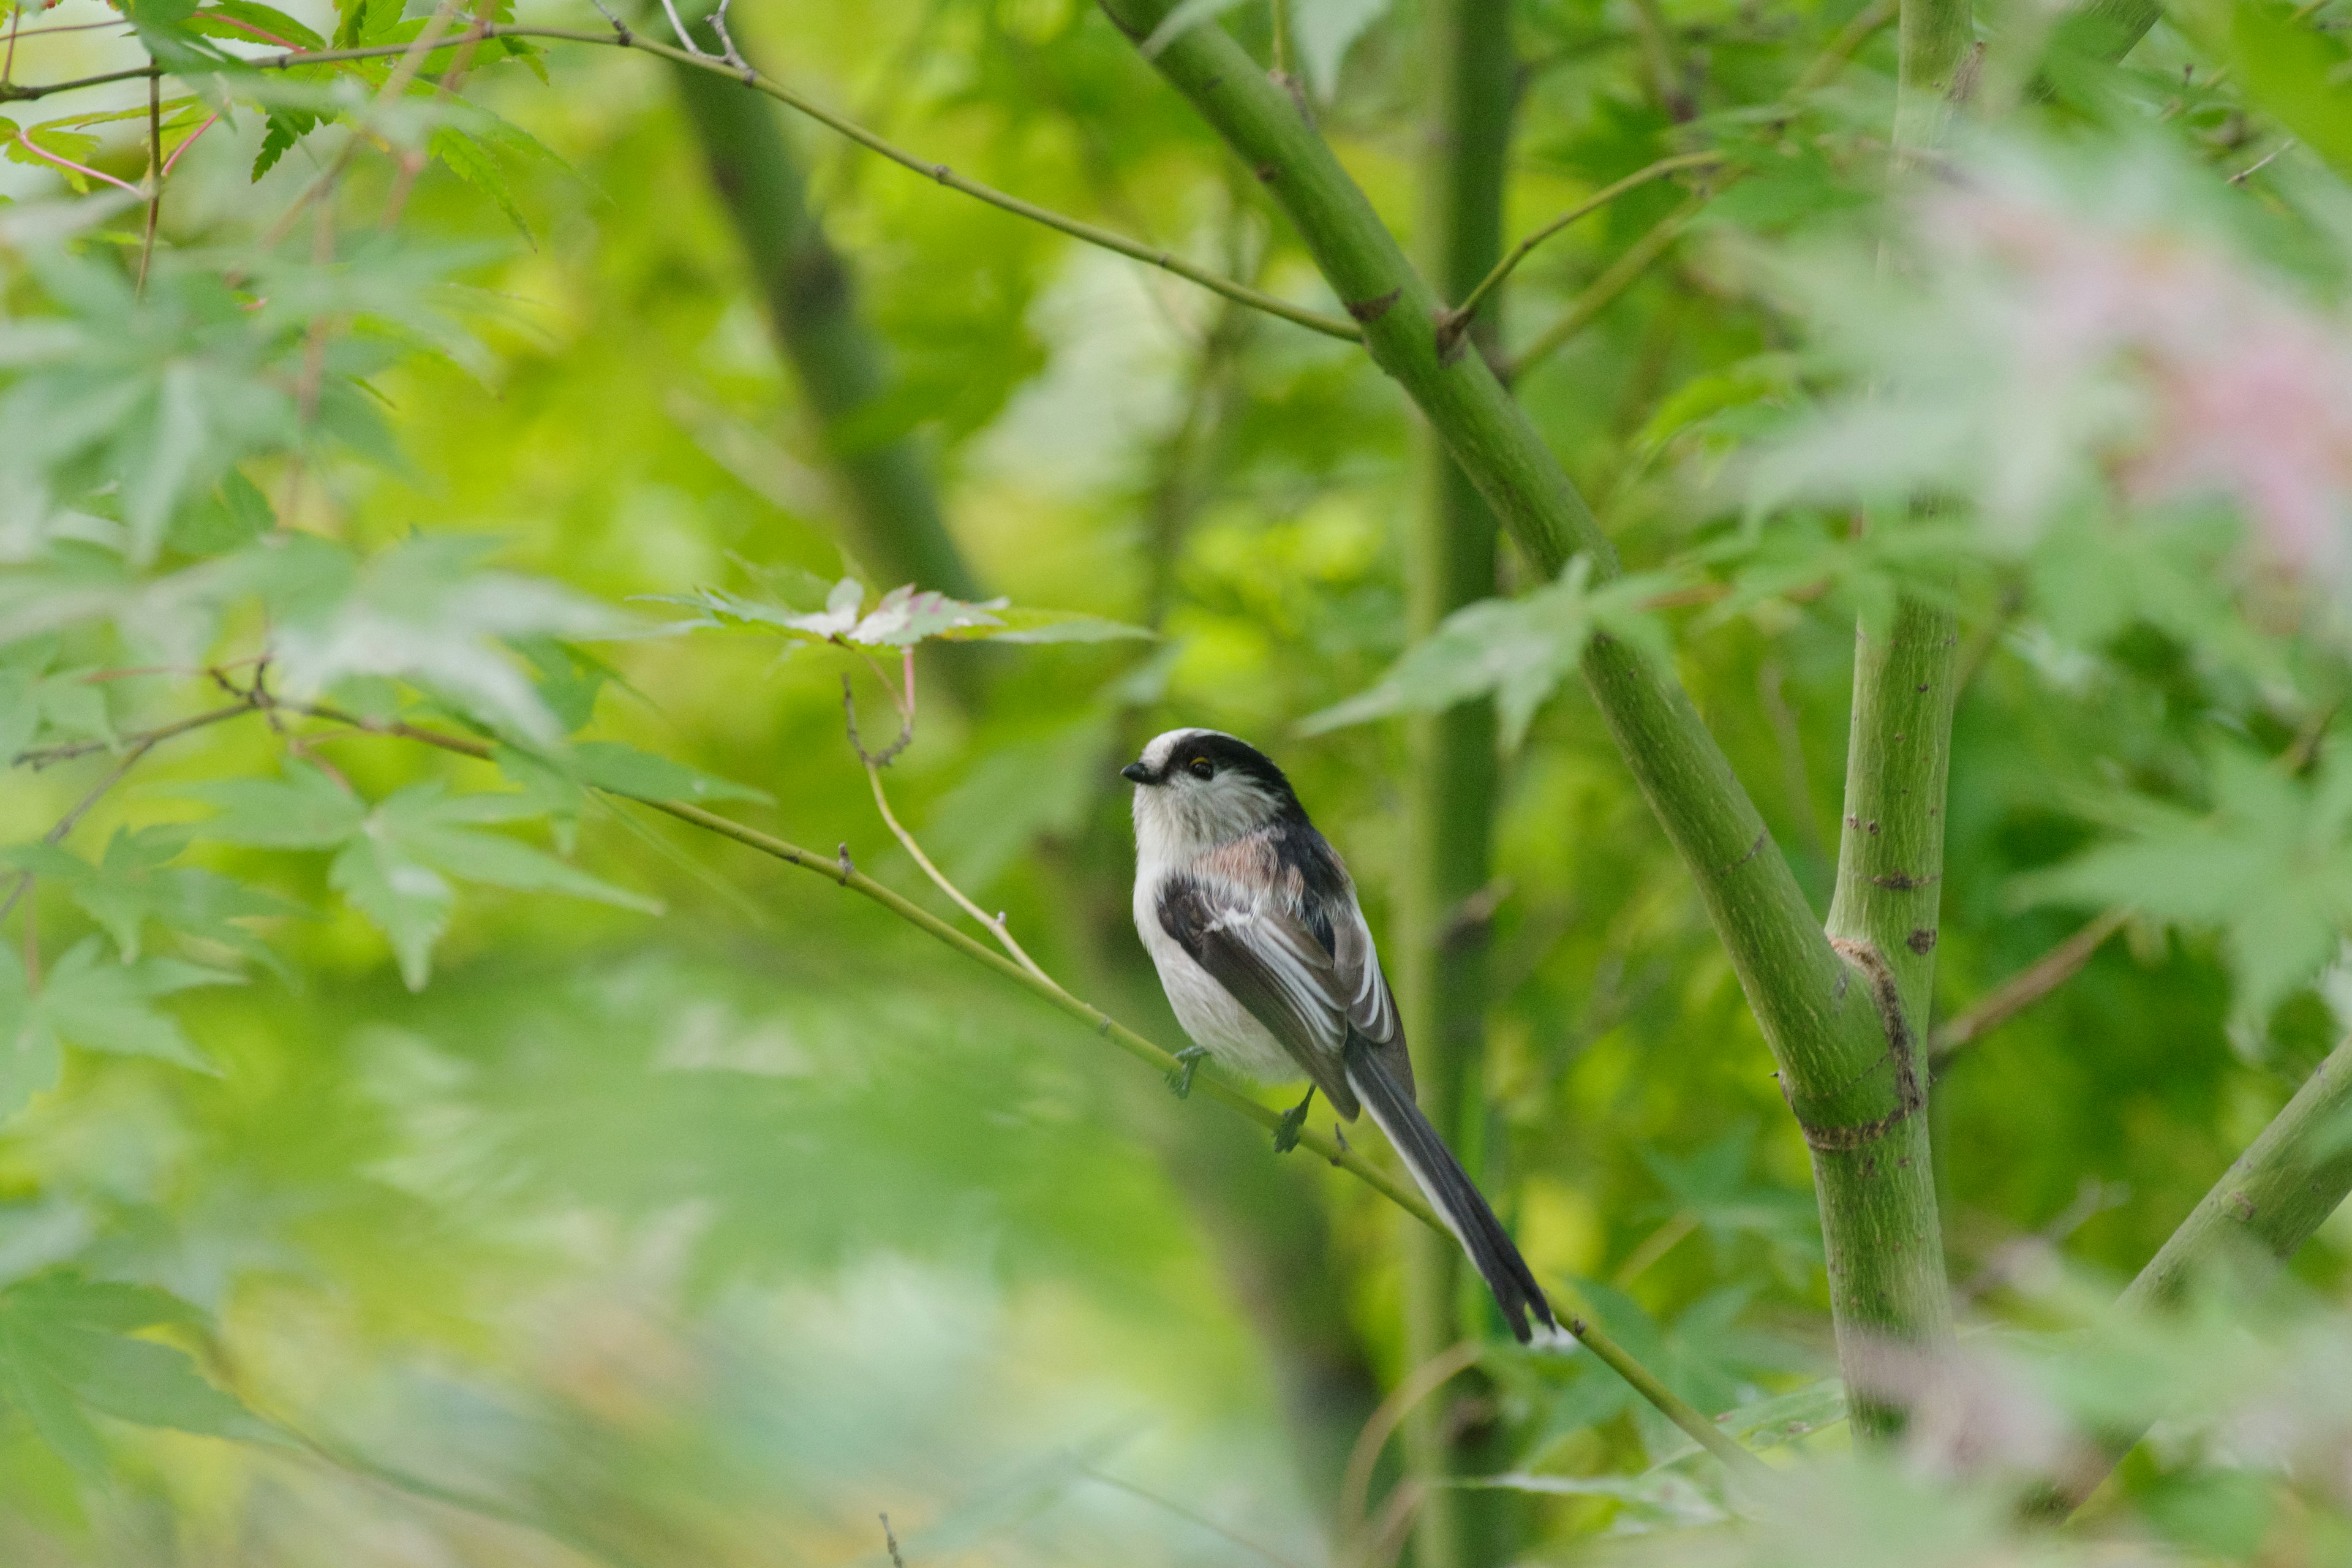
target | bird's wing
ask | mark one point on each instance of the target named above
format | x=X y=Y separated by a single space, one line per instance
x=1255 y=944
x=1372 y=1009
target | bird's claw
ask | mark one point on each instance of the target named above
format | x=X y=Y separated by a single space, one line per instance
x=1286 y=1135
x=1188 y=1061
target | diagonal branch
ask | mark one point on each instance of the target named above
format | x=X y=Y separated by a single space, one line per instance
x=2274 y=1195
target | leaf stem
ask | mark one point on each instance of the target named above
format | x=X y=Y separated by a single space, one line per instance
x=155 y=170
x=994 y=923
x=1844 y=45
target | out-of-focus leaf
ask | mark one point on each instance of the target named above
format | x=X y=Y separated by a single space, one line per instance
x=1769 y=1423
x=1518 y=649
x=423 y=611
x=467 y=158
x=903 y=618
x=2296 y=71
x=305 y=810
x=1187 y=15
x=255 y=23
x=67 y=1349
x=625 y=770
x=1016 y=794
x=2270 y=869
x=87 y=1000
x=133 y=885
x=395 y=867
x=1323 y=31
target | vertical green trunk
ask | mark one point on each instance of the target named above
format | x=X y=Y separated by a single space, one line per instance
x=1441 y=956
x=1877 y=1191
x=1877 y=1183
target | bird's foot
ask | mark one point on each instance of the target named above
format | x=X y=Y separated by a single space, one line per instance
x=1180 y=1082
x=1286 y=1136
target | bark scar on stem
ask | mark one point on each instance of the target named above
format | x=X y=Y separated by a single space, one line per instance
x=1370 y=311
x=1753 y=851
x=1903 y=882
x=1909 y=1094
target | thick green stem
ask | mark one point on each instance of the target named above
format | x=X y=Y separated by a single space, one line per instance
x=1878 y=1193
x=1817 y=1013
x=1440 y=937
x=1877 y=1189
x=812 y=305
x=2273 y=1196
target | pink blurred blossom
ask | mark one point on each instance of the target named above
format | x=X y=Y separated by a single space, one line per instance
x=2231 y=387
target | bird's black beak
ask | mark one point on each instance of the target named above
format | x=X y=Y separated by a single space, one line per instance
x=1136 y=771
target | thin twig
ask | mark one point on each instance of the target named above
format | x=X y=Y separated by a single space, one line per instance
x=1613 y=282
x=889 y=753
x=2251 y=170
x=49 y=756
x=875 y=764
x=1458 y=319
x=193 y=138
x=1109 y=239
x=2023 y=989
x=66 y=824
x=994 y=923
x=1356 y=1480
x=1842 y=47
x=1669 y=1235
x=891 y=1542
x=156 y=168
x=1186 y=1514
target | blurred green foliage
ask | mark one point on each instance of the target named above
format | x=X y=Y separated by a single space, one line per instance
x=412 y=1158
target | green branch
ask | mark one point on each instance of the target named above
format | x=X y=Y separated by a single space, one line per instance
x=1885 y=1244
x=2273 y=1196
x=1879 y=1217
x=1109 y=239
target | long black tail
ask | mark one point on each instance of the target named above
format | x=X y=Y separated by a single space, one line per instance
x=1449 y=1190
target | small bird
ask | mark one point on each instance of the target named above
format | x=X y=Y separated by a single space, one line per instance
x=1266 y=957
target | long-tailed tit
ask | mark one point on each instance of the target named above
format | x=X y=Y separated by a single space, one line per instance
x=1266 y=957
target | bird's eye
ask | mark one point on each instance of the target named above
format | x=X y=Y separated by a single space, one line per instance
x=1202 y=768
